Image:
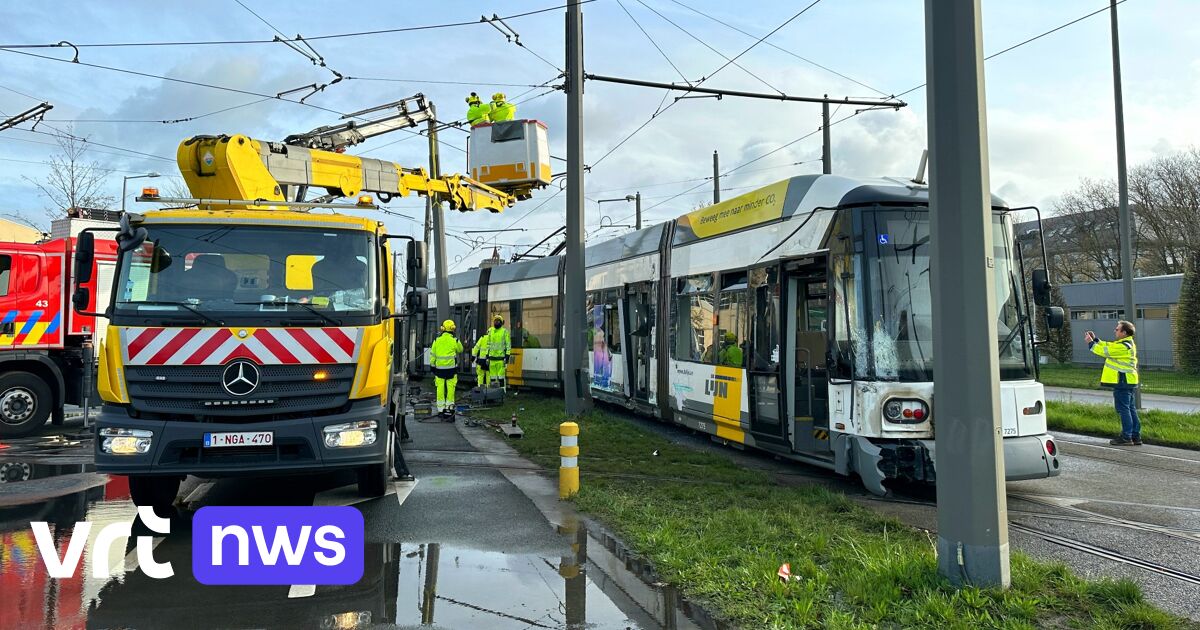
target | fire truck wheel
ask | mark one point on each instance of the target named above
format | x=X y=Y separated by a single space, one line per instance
x=25 y=403
x=158 y=492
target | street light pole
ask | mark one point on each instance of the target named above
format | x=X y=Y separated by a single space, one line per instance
x=971 y=504
x=576 y=392
x=125 y=181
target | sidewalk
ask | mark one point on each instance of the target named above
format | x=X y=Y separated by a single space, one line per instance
x=1178 y=404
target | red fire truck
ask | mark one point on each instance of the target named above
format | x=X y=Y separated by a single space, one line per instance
x=42 y=339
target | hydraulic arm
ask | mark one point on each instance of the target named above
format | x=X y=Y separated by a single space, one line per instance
x=241 y=168
x=357 y=128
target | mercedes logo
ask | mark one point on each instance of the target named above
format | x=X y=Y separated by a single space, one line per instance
x=240 y=378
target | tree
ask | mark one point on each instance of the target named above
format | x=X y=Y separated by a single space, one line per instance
x=72 y=181
x=1187 y=326
x=1058 y=343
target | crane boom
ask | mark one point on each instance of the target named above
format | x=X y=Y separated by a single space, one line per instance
x=410 y=112
x=239 y=167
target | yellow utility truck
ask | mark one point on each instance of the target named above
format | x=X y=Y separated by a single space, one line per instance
x=256 y=330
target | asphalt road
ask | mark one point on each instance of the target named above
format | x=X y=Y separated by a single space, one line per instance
x=1178 y=404
x=461 y=547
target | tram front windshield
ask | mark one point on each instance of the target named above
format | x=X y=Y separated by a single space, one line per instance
x=894 y=331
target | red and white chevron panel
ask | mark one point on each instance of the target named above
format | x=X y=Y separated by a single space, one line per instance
x=217 y=346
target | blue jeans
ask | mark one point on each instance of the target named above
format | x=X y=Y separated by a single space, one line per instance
x=1131 y=424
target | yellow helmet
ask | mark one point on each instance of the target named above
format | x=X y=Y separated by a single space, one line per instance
x=730 y=338
x=498 y=96
x=473 y=99
x=448 y=325
x=499 y=317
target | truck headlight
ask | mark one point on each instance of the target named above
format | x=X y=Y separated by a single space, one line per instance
x=361 y=433
x=118 y=441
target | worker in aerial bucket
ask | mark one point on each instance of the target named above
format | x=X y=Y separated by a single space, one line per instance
x=477 y=112
x=501 y=110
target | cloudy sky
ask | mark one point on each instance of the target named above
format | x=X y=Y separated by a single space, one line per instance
x=1050 y=114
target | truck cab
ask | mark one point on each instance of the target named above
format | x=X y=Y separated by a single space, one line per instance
x=43 y=343
x=244 y=342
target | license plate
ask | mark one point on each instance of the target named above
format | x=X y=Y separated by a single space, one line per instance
x=240 y=438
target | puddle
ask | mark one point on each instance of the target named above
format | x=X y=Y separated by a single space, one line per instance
x=404 y=584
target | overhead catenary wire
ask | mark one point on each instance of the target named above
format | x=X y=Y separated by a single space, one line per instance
x=652 y=42
x=1060 y=27
x=706 y=45
x=783 y=50
x=661 y=110
x=764 y=37
x=810 y=134
x=385 y=31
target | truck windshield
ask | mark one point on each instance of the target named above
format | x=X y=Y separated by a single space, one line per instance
x=893 y=330
x=230 y=272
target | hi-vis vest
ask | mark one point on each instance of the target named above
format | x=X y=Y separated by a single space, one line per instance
x=1120 y=357
x=478 y=113
x=499 y=342
x=444 y=351
x=501 y=111
x=481 y=348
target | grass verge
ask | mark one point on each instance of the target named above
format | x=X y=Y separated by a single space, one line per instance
x=1151 y=381
x=1166 y=428
x=719 y=532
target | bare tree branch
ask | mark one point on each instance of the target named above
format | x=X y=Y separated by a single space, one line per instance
x=72 y=181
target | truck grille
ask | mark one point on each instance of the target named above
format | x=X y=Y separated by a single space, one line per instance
x=192 y=391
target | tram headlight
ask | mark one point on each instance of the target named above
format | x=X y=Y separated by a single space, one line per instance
x=905 y=411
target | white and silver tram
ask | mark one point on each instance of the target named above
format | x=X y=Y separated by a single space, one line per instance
x=793 y=319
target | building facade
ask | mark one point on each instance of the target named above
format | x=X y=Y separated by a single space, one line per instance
x=1098 y=306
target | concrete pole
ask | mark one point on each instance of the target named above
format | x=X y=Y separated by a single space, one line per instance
x=1125 y=220
x=716 y=178
x=433 y=208
x=576 y=392
x=826 y=160
x=972 y=508
x=429 y=593
x=637 y=200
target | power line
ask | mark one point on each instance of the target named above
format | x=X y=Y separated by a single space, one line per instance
x=652 y=42
x=810 y=134
x=440 y=82
x=706 y=45
x=172 y=79
x=207 y=85
x=1030 y=40
x=764 y=37
x=160 y=121
x=107 y=170
x=781 y=49
x=272 y=41
x=261 y=18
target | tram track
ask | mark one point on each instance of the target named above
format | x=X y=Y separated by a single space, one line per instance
x=1081 y=545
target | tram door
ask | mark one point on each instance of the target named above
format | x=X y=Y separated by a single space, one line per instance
x=807 y=308
x=768 y=418
x=639 y=322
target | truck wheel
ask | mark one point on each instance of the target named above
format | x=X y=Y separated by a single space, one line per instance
x=158 y=492
x=373 y=480
x=25 y=403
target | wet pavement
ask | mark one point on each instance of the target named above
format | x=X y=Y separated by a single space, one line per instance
x=461 y=547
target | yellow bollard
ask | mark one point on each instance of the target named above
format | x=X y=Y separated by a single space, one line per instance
x=568 y=451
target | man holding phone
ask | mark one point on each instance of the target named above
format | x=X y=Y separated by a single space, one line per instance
x=1120 y=373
